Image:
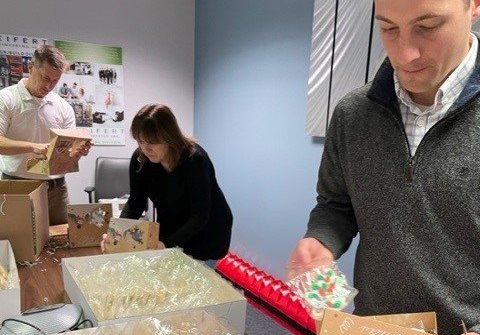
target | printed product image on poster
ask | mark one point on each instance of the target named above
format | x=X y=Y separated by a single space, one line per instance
x=83 y=69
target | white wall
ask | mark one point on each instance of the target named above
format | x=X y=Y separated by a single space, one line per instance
x=157 y=37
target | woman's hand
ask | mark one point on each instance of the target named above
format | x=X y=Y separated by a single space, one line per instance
x=103 y=242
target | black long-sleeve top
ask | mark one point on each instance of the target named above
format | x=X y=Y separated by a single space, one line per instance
x=191 y=208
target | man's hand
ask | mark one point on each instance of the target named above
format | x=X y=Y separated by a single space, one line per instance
x=40 y=149
x=83 y=149
x=308 y=254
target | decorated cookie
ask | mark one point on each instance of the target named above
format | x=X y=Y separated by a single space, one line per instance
x=323 y=287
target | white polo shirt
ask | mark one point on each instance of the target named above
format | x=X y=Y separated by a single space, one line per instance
x=24 y=117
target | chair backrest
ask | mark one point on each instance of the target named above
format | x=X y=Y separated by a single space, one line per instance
x=111 y=177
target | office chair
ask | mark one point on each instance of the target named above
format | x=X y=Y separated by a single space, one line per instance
x=111 y=179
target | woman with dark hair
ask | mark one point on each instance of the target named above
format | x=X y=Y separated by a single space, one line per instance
x=176 y=174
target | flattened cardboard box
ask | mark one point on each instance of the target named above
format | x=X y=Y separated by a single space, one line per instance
x=10 y=298
x=233 y=311
x=24 y=217
x=87 y=223
x=339 y=323
x=126 y=235
x=60 y=159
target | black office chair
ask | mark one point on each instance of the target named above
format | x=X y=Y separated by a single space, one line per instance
x=111 y=179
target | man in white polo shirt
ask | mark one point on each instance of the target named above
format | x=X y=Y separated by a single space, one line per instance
x=27 y=111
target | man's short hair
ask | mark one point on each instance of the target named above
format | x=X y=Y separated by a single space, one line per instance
x=50 y=55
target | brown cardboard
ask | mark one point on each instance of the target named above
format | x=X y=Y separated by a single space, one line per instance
x=24 y=217
x=87 y=223
x=426 y=320
x=339 y=323
x=60 y=159
x=126 y=235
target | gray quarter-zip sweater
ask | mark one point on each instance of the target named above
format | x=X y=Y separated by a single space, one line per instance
x=418 y=217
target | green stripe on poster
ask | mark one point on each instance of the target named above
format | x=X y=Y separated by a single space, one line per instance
x=89 y=52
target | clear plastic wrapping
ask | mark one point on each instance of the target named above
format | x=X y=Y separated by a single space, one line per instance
x=8 y=280
x=138 y=286
x=323 y=287
x=192 y=323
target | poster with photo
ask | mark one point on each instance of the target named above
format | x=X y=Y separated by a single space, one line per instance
x=15 y=53
x=93 y=86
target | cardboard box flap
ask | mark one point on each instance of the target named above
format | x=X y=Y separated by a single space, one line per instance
x=65 y=140
x=87 y=223
x=426 y=320
x=24 y=217
x=60 y=158
x=17 y=187
x=126 y=235
x=74 y=133
x=339 y=323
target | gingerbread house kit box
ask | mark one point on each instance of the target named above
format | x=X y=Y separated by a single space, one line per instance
x=60 y=157
x=87 y=223
x=126 y=235
x=336 y=322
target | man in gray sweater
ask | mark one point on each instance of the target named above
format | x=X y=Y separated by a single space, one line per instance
x=401 y=167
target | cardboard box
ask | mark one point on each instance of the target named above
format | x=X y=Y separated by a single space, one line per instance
x=336 y=322
x=60 y=159
x=24 y=217
x=234 y=311
x=126 y=235
x=10 y=298
x=87 y=223
x=426 y=320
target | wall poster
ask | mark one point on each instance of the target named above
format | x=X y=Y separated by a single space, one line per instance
x=93 y=86
x=15 y=53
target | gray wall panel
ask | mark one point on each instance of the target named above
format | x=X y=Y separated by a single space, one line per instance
x=320 y=64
